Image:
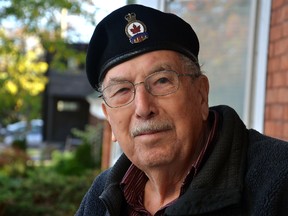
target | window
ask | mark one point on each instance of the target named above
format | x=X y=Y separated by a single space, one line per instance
x=223 y=31
x=67 y=106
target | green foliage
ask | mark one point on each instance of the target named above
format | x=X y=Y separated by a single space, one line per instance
x=91 y=136
x=20 y=144
x=43 y=193
x=75 y=162
x=86 y=156
x=23 y=64
x=22 y=79
x=13 y=161
x=40 y=14
x=53 y=188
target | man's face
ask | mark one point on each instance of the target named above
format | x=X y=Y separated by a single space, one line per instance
x=157 y=131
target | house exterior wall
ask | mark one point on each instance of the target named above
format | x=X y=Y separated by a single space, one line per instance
x=70 y=89
x=276 y=105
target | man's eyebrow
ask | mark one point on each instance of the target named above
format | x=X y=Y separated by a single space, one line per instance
x=161 y=68
x=114 y=80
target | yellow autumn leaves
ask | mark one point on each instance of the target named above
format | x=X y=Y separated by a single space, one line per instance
x=26 y=74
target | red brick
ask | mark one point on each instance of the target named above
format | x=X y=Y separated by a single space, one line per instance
x=267 y=112
x=284 y=62
x=271 y=96
x=273 y=128
x=285 y=12
x=269 y=80
x=281 y=46
x=277 y=112
x=285 y=131
x=277 y=95
x=285 y=114
x=279 y=80
x=278 y=129
x=277 y=16
x=275 y=32
x=276 y=3
x=283 y=95
x=274 y=64
x=276 y=107
x=273 y=20
x=271 y=50
x=282 y=15
x=268 y=128
x=285 y=29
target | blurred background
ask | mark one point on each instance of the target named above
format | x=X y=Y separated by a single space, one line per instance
x=54 y=138
x=50 y=143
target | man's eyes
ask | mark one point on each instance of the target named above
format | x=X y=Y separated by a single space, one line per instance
x=162 y=80
x=120 y=91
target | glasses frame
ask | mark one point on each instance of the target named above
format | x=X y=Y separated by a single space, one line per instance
x=146 y=87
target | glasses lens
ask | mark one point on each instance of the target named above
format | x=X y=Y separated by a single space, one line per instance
x=118 y=94
x=158 y=84
x=162 y=83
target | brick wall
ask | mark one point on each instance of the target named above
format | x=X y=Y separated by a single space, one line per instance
x=276 y=111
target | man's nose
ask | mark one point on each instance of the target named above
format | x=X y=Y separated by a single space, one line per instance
x=143 y=101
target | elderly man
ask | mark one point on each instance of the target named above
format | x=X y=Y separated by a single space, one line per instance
x=180 y=156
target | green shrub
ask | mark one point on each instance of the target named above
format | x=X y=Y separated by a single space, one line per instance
x=74 y=163
x=84 y=156
x=92 y=135
x=20 y=144
x=13 y=162
x=43 y=192
x=56 y=189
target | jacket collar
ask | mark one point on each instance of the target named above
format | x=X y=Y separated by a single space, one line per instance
x=220 y=182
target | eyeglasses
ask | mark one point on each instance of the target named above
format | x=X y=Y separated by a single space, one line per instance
x=159 y=83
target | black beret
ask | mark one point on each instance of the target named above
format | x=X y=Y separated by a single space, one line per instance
x=133 y=30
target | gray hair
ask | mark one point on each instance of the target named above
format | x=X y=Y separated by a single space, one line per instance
x=190 y=66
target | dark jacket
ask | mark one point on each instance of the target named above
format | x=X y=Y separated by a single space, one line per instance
x=245 y=174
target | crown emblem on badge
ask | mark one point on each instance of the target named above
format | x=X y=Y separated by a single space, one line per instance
x=135 y=29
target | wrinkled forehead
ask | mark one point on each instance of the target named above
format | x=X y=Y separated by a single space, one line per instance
x=143 y=65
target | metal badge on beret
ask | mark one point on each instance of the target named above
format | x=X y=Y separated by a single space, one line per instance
x=135 y=29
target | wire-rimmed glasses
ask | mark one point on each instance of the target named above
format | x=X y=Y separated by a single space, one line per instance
x=159 y=83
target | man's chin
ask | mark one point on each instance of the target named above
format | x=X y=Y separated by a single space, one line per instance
x=153 y=159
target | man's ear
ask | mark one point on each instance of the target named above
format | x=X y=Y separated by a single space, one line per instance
x=104 y=109
x=204 y=93
x=113 y=138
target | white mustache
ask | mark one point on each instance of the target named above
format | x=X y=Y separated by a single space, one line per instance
x=150 y=127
